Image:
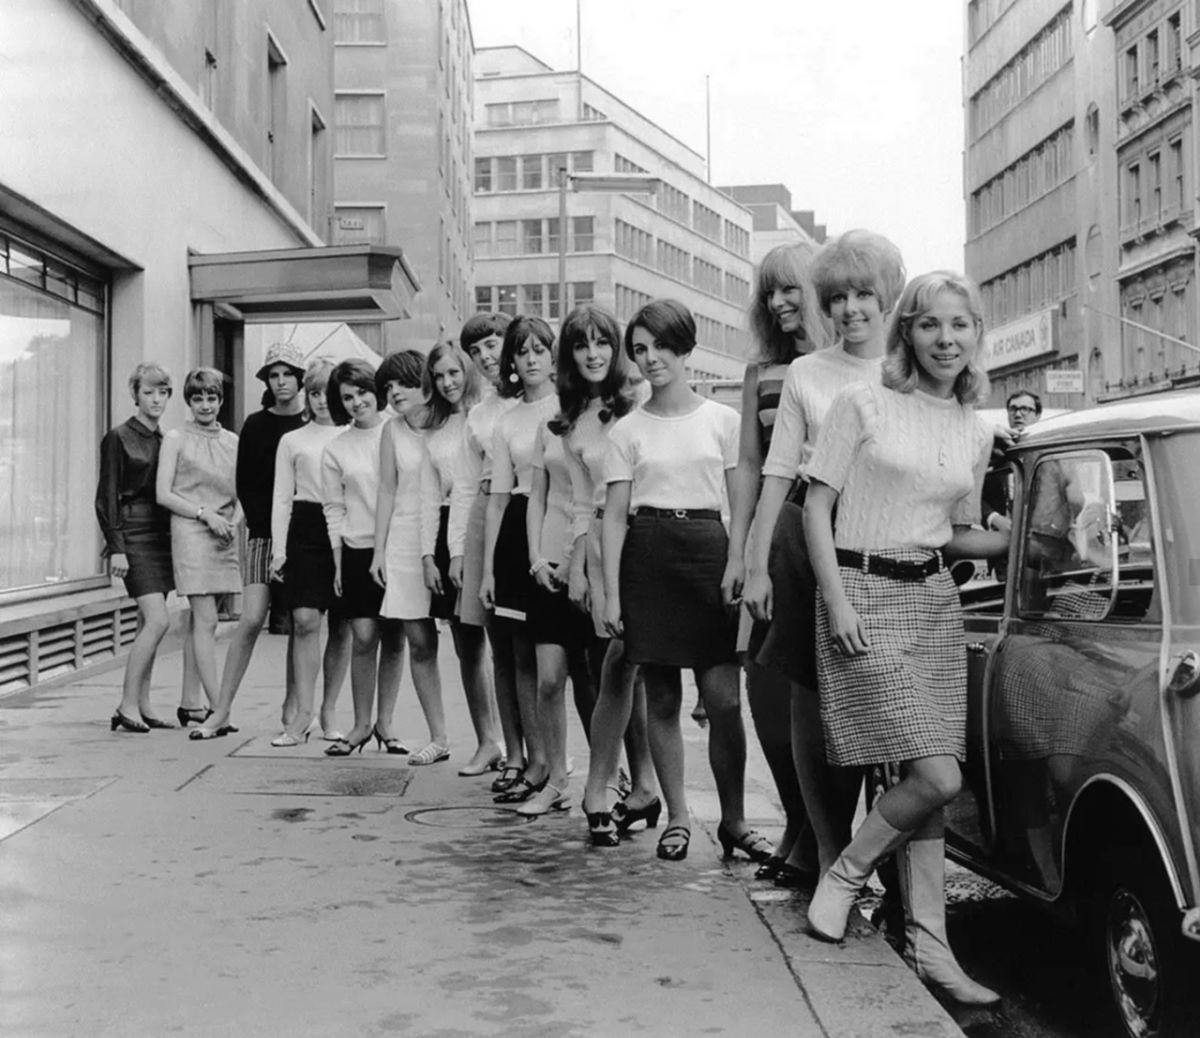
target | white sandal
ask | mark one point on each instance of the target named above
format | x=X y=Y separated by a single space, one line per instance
x=430 y=754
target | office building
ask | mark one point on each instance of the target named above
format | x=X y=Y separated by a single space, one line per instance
x=687 y=240
x=775 y=221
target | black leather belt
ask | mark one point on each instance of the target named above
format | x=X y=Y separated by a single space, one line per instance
x=894 y=569
x=679 y=513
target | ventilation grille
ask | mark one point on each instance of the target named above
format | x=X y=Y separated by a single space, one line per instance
x=31 y=657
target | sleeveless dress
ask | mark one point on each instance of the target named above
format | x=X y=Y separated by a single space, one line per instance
x=412 y=531
x=205 y=475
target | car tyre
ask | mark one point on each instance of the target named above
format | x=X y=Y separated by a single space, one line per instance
x=1147 y=966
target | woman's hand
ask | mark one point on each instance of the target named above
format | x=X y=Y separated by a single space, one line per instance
x=429 y=570
x=546 y=577
x=337 y=578
x=578 y=591
x=731 y=582
x=276 y=571
x=759 y=595
x=487 y=591
x=219 y=526
x=847 y=631
x=119 y=564
x=378 y=570
x=612 y=618
x=456 y=568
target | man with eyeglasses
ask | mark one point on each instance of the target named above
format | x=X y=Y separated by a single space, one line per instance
x=1024 y=408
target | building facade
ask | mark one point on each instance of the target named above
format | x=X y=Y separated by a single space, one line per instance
x=687 y=240
x=165 y=180
x=775 y=221
x=404 y=72
x=1080 y=194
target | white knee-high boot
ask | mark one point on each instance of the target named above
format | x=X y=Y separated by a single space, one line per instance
x=835 y=894
x=922 y=866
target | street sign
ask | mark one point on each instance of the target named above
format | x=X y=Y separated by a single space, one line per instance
x=1066 y=380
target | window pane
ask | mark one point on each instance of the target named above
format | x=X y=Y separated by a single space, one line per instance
x=531 y=236
x=582 y=292
x=581 y=161
x=359 y=120
x=359 y=21
x=483 y=298
x=531 y=172
x=553 y=164
x=532 y=300
x=507 y=299
x=483 y=175
x=552 y=235
x=506 y=237
x=581 y=231
x=552 y=302
x=506 y=174
x=483 y=239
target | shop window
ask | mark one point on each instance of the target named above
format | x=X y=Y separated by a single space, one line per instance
x=52 y=346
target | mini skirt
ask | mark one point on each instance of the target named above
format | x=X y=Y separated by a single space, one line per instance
x=362 y=598
x=470 y=609
x=203 y=564
x=670 y=582
x=147 y=530
x=308 y=572
x=510 y=563
x=788 y=643
x=553 y=620
x=442 y=607
x=907 y=697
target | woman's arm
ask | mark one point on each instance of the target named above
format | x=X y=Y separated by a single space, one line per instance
x=282 y=495
x=496 y=505
x=845 y=627
x=464 y=488
x=735 y=569
x=168 y=460
x=612 y=540
x=108 y=498
x=749 y=466
x=543 y=569
x=758 y=593
x=970 y=543
x=430 y=490
x=385 y=504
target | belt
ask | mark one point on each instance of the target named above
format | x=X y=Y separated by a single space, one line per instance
x=795 y=494
x=679 y=513
x=894 y=569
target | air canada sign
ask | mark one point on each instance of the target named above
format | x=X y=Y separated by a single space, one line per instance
x=1020 y=340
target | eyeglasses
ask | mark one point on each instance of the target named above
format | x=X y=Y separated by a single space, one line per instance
x=1021 y=409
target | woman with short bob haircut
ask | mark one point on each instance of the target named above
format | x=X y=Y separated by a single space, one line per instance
x=903 y=459
x=671 y=461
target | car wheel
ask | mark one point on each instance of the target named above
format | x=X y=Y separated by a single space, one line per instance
x=1142 y=954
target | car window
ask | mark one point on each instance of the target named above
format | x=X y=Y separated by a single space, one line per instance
x=1176 y=460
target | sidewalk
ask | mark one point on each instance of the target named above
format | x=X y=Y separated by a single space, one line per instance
x=152 y=885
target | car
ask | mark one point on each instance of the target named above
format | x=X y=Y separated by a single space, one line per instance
x=1081 y=788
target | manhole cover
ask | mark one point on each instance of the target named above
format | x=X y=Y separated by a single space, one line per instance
x=304 y=778
x=473 y=817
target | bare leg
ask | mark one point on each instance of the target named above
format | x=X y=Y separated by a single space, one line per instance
x=583 y=688
x=306 y=661
x=611 y=719
x=500 y=633
x=726 y=741
x=391 y=670
x=190 y=693
x=525 y=675
x=663 y=697
x=363 y=670
x=552 y=666
x=153 y=623
x=334 y=664
x=255 y=600
x=477 y=684
x=637 y=747
x=422 y=660
x=204 y=648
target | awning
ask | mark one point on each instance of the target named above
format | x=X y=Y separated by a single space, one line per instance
x=330 y=283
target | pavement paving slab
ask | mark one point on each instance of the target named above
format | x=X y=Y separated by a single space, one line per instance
x=154 y=886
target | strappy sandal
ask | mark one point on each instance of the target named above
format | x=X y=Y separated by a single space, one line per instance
x=674 y=842
x=755 y=846
x=601 y=829
x=429 y=754
x=519 y=791
x=507 y=778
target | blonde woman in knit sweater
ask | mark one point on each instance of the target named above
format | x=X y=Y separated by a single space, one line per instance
x=904 y=462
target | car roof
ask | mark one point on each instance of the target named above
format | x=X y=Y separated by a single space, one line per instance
x=1154 y=412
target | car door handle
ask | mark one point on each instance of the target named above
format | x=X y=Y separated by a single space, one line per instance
x=976 y=647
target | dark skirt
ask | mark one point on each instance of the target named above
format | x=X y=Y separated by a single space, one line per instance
x=308 y=573
x=671 y=606
x=361 y=596
x=789 y=642
x=553 y=620
x=510 y=563
x=442 y=607
x=147 y=530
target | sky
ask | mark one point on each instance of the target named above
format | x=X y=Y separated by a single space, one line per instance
x=856 y=106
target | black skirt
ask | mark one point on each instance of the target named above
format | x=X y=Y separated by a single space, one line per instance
x=790 y=643
x=147 y=530
x=510 y=562
x=553 y=620
x=671 y=606
x=441 y=607
x=308 y=572
x=362 y=598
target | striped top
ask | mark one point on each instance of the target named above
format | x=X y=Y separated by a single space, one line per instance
x=770 y=388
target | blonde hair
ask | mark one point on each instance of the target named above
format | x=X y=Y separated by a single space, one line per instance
x=149 y=373
x=785 y=266
x=901 y=370
x=859 y=259
x=316 y=379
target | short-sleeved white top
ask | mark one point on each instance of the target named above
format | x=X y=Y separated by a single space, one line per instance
x=512 y=443
x=675 y=462
x=908 y=466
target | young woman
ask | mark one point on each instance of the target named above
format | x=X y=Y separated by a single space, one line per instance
x=406 y=527
x=526 y=372
x=450 y=384
x=594 y=389
x=784 y=318
x=303 y=560
x=664 y=580
x=349 y=486
x=196 y=482
x=137 y=541
x=482 y=339
x=904 y=461
x=857 y=278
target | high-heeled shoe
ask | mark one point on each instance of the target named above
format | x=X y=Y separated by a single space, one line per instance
x=389 y=743
x=202 y=733
x=792 y=877
x=188 y=715
x=674 y=842
x=430 y=754
x=507 y=778
x=601 y=829
x=548 y=798
x=481 y=767
x=119 y=720
x=750 y=843
x=769 y=869
x=624 y=816
x=154 y=722
x=344 y=747
x=288 y=739
x=519 y=791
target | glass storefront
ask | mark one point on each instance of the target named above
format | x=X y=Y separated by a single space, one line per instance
x=52 y=349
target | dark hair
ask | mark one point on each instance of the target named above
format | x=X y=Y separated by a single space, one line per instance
x=515 y=336
x=440 y=409
x=785 y=266
x=353 y=372
x=403 y=366
x=574 y=391
x=480 y=327
x=1037 y=400
x=669 y=321
x=203 y=380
